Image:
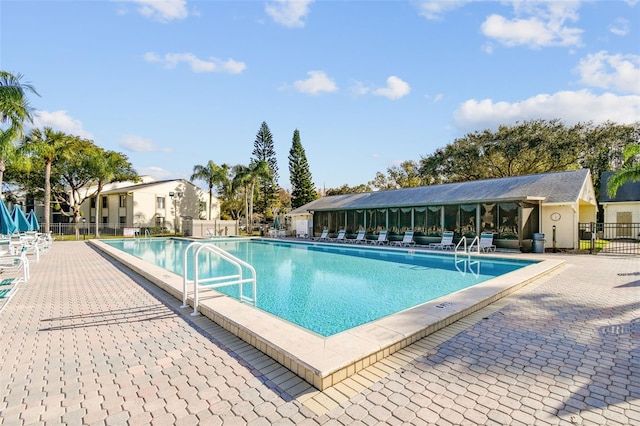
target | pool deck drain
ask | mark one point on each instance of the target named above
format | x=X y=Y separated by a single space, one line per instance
x=326 y=361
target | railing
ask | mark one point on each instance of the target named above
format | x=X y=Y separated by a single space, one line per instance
x=622 y=238
x=215 y=282
x=467 y=262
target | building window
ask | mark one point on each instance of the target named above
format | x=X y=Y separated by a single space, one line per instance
x=123 y=220
x=123 y=200
x=203 y=207
x=160 y=221
x=93 y=202
x=104 y=202
x=105 y=219
x=160 y=203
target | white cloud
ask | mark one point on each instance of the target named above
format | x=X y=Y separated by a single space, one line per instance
x=536 y=24
x=317 y=82
x=614 y=72
x=139 y=144
x=396 y=88
x=620 y=27
x=59 y=121
x=289 y=13
x=161 y=10
x=571 y=107
x=171 y=60
x=433 y=10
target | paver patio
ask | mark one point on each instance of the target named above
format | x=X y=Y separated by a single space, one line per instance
x=86 y=341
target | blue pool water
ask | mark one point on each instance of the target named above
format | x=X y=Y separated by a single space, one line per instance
x=328 y=288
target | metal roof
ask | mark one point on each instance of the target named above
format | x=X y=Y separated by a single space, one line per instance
x=558 y=187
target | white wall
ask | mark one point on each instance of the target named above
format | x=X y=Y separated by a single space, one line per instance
x=566 y=226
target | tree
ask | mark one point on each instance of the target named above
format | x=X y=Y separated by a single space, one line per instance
x=248 y=178
x=111 y=167
x=302 y=188
x=77 y=173
x=213 y=175
x=406 y=175
x=537 y=146
x=604 y=147
x=263 y=150
x=630 y=171
x=14 y=111
x=346 y=189
x=45 y=145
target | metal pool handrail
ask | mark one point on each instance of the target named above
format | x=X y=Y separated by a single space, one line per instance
x=236 y=279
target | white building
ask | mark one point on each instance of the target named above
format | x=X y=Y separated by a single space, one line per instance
x=148 y=204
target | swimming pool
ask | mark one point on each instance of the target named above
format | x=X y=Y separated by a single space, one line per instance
x=330 y=288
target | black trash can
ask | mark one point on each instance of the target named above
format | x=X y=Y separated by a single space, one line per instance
x=537 y=244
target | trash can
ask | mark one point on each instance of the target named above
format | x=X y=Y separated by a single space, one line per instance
x=537 y=244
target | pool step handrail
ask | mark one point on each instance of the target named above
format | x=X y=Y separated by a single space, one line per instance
x=467 y=261
x=476 y=243
x=215 y=282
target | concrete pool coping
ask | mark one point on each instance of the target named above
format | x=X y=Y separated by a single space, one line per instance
x=325 y=361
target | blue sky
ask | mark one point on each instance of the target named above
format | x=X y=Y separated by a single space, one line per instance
x=368 y=84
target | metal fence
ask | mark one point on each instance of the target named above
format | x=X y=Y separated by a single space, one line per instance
x=620 y=238
x=106 y=230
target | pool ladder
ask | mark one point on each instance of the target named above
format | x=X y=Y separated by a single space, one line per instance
x=215 y=282
x=467 y=263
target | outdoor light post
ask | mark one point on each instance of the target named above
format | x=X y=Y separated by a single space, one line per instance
x=175 y=196
x=84 y=226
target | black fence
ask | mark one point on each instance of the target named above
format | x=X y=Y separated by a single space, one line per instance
x=619 y=238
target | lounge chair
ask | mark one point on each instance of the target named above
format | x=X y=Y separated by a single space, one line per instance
x=8 y=287
x=407 y=240
x=446 y=243
x=486 y=242
x=360 y=238
x=340 y=238
x=16 y=263
x=323 y=237
x=382 y=239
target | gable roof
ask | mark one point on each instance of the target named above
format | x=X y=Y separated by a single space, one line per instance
x=629 y=191
x=558 y=187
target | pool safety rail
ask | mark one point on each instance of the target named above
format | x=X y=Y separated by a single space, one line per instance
x=215 y=282
x=466 y=263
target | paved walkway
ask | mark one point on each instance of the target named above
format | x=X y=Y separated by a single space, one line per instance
x=87 y=342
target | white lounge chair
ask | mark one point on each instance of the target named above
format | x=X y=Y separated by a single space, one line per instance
x=16 y=263
x=340 y=238
x=323 y=237
x=486 y=242
x=360 y=238
x=446 y=243
x=407 y=240
x=382 y=239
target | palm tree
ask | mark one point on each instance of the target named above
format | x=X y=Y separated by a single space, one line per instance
x=14 y=110
x=46 y=145
x=630 y=171
x=249 y=177
x=213 y=175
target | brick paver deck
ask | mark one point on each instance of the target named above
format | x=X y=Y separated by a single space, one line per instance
x=88 y=342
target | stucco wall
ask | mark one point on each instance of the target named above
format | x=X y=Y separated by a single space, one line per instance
x=611 y=211
x=566 y=226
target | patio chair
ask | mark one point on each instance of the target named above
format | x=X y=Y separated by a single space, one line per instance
x=360 y=238
x=8 y=287
x=446 y=243
x=407 y=240
x=323 y=237
x=382 y=239
x=16 y=263
x=486 y=242
x=340 y=238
